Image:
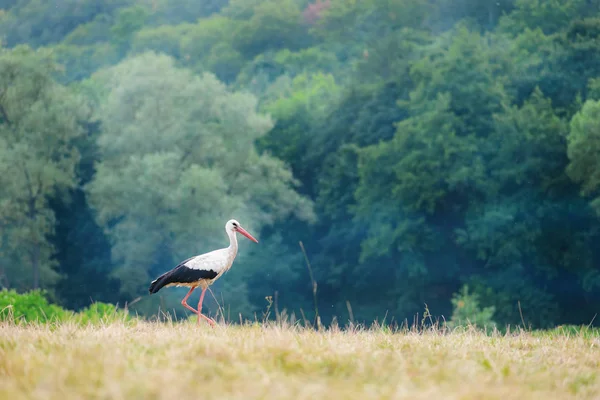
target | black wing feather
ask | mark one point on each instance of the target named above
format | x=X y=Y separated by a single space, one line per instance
x=181 y=274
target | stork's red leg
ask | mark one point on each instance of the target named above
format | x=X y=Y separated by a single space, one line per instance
x=184 y=301
x=200 y=315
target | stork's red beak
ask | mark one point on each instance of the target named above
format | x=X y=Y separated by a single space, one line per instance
x=245 y=233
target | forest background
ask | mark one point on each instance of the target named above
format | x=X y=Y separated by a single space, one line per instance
x=426 y=153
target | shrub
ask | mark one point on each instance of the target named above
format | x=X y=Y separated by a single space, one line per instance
x=467 y=311
x=102 y=313
x=30 y=307
x=34 y=307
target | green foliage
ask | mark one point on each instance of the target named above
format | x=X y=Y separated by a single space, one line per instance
x=30 y=307
x=482 y=14
x=583 y=331
x=594 y=89
x=273 y=24
x=127 y=21
x=442 y=143
x=584 y=150
x=550 y=16
x=95 y=31
x=270 y=75
x=163 y=12
x=462 y=67
x=172 y=167
x=41 y=23
x=102 y=313
x=204 y=35
x=306 y=93
x=162 y=39
x=33 y=306
x=206 y=47
x=357 y=23
x=515 y=297
x=79 y=62
x=305 y=60
x=296 y=104
x=468 y=312
x=39 y=123
x=533 y=137
x=433 y=168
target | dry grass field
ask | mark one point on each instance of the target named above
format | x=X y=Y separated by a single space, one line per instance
x=146 y=360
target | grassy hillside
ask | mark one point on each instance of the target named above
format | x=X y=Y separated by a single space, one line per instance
x=184 y=361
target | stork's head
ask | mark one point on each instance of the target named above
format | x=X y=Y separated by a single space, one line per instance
x=234 y=226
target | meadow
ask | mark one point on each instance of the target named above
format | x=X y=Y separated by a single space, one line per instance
x=181 y=360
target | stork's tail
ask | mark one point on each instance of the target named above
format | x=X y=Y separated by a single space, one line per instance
x=158 y=283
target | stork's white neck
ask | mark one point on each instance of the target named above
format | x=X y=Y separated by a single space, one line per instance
x=233 y=244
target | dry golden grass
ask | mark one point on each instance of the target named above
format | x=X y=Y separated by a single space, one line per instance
x=183 y=361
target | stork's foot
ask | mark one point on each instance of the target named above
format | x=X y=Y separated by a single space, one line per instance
x=211 y=321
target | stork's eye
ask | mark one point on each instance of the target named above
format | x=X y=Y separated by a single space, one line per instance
x=235 y=225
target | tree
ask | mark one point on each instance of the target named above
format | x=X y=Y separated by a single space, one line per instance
x=79 y=62
x=163 y=39
x=40 y=23
x=530 y=224
x=368 y=21
x=207 y=46
x=128 y=21
x=274 y=24
x=484 y=13
x=549 y=15
x=584 y=151
x=39 y=122
x=463 y=67
x=164 y=13
x=304 y=100
x=178 y=160
x=411 y=190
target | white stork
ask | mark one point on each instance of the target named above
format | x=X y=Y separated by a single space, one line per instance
x=202 y=270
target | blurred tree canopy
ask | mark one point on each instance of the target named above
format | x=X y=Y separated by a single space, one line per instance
x=415 y=148
x=40 y=121
x=177 y=152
